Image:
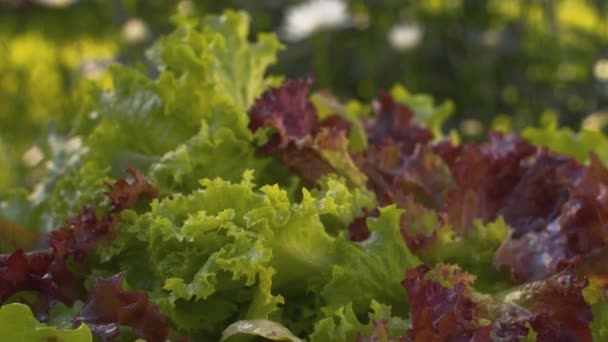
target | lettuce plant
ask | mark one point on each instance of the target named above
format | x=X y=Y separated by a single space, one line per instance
x=255 y=210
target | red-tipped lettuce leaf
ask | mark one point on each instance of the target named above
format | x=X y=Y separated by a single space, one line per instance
x=109 y=306
x=446 y=308
x=52 y=274
x=394 y=121
x=310 y=149
x=484 y=175
x=439 y=313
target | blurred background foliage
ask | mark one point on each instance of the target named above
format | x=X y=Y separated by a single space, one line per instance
x=504 y=64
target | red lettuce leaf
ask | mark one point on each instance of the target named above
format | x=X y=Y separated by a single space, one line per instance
x=396 y=176
x=394 y=121
x=308 y=148
x=286 y=109
x=556 y=208
x=57 y=275
x=439 y=313
x=358 y=230
x=446 y=308
x=125 y=193
x=484 y=176
x=588 y=226
x=540 y=193
x=559 y=214
x=401 y=168
x=414 y=225
x=32 y=272
x=560 y=311
x=397 y=162
x=108 y=307
x=83 y=232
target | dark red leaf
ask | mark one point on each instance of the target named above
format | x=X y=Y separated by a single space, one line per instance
x=22 y=272
x=397 y=162
x=300 y=140
x=561 y=313
x=588 y=227
x=554 y=308
x=394 y=121
x=125 y=192
x=358 y=230
x=395 y=176
x=304 y=160
x=286 y=109
x=413 y=225
x=559 y=214
x=540 y=193
x=82 y=233
x=108 y=307
x=484 y=175
x=438 y=313
x=48 y=272
x=554 y=205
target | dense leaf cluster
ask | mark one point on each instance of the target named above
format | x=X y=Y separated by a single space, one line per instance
x=367 y=224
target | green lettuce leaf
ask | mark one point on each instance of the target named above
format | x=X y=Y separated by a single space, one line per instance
x=473 y=252
x=595 y=295
x=384 y=256
x=344 y=325
x=17 y=323
x=352 y=112
x=599 y=325
x=211 y=153
x=269 y=330
x=208 y=72
x=567 y=141
x=425 y=110
x=231 y=252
